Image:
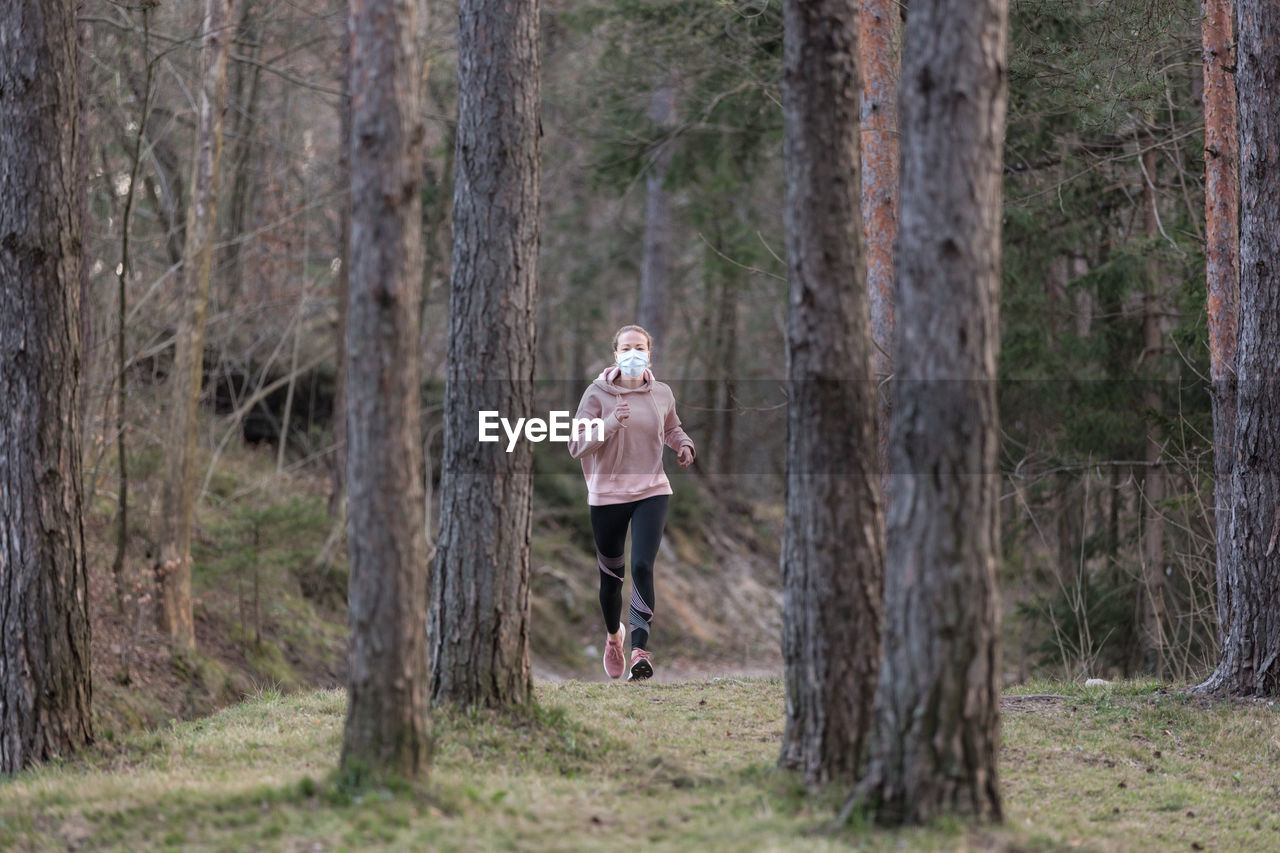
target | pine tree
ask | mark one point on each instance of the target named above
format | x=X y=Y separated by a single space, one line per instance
x=1250 y=657
x=880 y=43
x=937 y=702
x=386 y=729
x=480 y=606
x=832 y=550
x=1222 y=272
x=45 y=686
x=175 y=509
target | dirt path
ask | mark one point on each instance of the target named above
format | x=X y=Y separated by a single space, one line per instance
x=679 y=671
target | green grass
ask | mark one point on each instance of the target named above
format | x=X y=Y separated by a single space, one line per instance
x=685 y=766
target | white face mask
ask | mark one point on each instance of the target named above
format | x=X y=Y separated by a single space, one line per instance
x=633 y=362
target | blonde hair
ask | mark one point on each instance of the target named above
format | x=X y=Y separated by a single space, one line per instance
x=648 y=339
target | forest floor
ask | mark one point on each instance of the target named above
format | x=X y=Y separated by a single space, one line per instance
x=668 y=766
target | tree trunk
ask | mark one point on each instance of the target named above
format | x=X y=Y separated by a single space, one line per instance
x=480 y=607
x=164 y=208
x=1084 y=296
x=1063 y=502
x=166 y=189
x=1151 y=603
x=727 y=329
x=342 y=287
x=832 y=552
x=244 y=125
x=177 y=496
x=386 y=729
x=1222 y=269
x=937 y=704
x=1055 y=291
x=880 y=40
x=655 y=270
x=1248 y=662
x=122 y=302
x=45 y=687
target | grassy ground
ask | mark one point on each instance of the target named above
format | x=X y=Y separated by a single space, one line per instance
x=685 y=766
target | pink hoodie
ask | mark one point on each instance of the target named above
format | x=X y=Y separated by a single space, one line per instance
x=627 y=464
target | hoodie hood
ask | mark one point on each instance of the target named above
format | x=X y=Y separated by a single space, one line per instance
x=609 y=376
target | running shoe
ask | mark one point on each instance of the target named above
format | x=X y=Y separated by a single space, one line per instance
x=641 y=665
x=615 y=659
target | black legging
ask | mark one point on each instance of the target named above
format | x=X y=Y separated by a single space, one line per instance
x=609 y=524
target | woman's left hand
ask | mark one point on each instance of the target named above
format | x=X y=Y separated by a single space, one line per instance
x=685 y=456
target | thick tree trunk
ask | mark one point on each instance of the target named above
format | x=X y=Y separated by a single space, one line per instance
x=880 y=41
x=386 y=728
x=1249 y=663
x=480 y=606
x=937 y=704
x=45 y=688
x=1151 y=602
x=655 y=267
x=177 y=496
x=1222 y=271
x=832 y=550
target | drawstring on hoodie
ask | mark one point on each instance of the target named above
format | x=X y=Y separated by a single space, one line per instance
x=658 y=415
x=613 y=475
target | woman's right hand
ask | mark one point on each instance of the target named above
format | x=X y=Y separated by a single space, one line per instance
x=622 y=411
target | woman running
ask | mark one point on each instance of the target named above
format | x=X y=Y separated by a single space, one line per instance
x=627 y=486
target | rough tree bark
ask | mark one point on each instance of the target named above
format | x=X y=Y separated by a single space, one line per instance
x=1249 y=662
x=45 y=687
x=1222 y=270
x=176 y=507
x=480 y=605
x=880 y=41
x=937 y=703
x=832 y=550
x=386 y=728
x=655 y=268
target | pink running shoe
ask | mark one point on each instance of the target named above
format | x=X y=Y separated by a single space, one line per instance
x=641 y=665
x=615 y=660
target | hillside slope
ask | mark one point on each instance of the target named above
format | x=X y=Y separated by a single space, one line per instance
x=270 y=575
